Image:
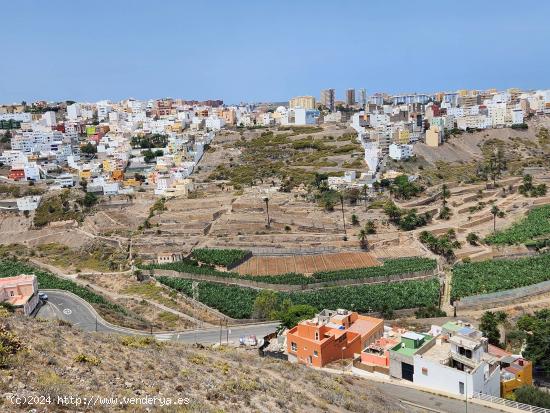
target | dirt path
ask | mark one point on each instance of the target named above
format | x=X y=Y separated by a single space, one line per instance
x=114 y=295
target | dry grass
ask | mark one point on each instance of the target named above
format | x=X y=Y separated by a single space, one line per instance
x=65 y=361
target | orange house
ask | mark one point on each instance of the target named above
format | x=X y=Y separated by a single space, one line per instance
x=331 y=336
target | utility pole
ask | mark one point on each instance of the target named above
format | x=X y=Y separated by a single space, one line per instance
x=96 y=323
x=221 y=326
x=195 y=291
x=227 y=332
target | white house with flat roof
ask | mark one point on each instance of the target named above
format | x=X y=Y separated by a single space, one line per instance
x=458 y=363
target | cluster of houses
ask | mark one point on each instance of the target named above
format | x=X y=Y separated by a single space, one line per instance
x=454 y=358
x=392 y=125
x=112 y=148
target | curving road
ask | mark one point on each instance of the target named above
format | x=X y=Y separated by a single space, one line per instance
x=66 y=306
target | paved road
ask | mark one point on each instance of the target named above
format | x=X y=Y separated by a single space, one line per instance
x=431 y=402
x=66 y=307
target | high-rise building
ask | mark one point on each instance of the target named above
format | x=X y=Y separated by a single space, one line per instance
x=327 y=98
x=306 y=102
x=350 y=97
x=362 y=97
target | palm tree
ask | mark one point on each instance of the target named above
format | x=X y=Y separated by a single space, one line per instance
x=266 y=200
x=365 y=189
x=363 y=239
x=343 y=215
x=445 y=194
x=496 y=213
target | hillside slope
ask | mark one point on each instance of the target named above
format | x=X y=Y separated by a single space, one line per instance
x=56 y=359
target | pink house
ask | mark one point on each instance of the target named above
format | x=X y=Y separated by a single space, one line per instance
x=377 y=353
x=20 y=291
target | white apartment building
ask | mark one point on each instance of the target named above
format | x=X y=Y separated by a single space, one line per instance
x=73 y=112
x=214 y=123
x=49 y=118
x=473 y=122
x=372 y=155
x=517 y=116
x=11 y=157
x=377 y=120
x=103 y=109
x=32 y=171
x=497 y=112
x=400 y=152
x=65 y=181
x=19 y=117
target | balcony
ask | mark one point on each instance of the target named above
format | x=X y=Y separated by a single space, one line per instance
x=464 y=360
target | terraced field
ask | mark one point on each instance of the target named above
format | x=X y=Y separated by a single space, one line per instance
x=306 y=264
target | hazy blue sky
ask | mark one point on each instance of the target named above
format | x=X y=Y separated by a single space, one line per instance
x=267 y=50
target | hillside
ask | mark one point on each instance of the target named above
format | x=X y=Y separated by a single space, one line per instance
x=56 y=359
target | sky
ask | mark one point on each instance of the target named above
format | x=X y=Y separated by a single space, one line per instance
x=268 y=50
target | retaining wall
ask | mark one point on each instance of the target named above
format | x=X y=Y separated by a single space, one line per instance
x=291 y=287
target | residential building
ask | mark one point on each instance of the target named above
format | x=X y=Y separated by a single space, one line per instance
x=515 y=371
x=328 y=99
x=306 y=102
x=331 y=336
x=517 y=116
x=402 y=354
x=434 y=136
x=362 y=97
x=168 y=257
x=350 y=97
x=458 y=362
x=400 y=152
x=375 y=357
x=20 y=291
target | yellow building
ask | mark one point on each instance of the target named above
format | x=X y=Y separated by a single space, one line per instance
x=515 y=372
x=306 y=102
x=85 y=174
x=131 y=182
x=107 y=166
x=181 y=187
x=403 y=136
x=433 y=136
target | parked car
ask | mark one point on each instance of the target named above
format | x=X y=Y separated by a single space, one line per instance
x=43 y=296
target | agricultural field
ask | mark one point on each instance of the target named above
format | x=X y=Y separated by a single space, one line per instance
x=395 y=266
x=498 y=275
x=238 y=302
x=306 y=264
x=225 y=257
x=535 y=224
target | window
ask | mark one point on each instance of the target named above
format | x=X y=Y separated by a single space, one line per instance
x=424 y=371
x=293 y=347
x=461 y=387
x=316 y=335
x=11 y=294
x=315 y=353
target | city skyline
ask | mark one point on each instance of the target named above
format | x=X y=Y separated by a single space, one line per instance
x=252 y=52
